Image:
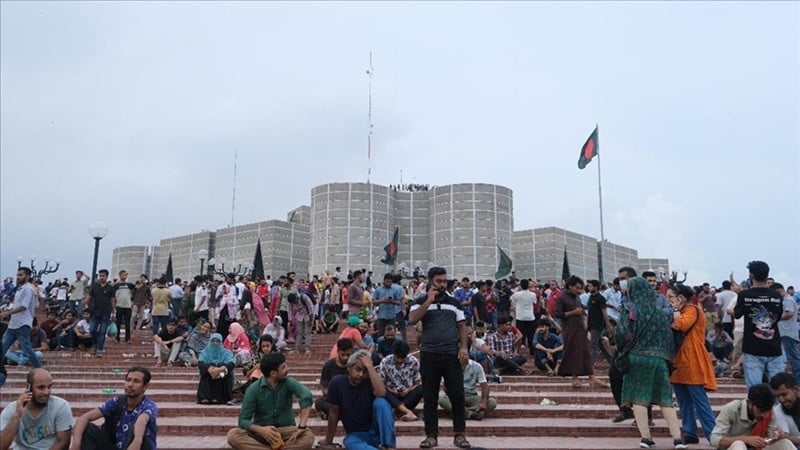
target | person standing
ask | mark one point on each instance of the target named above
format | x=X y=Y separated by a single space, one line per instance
x=389 y=299
x=523 y=302
x=598 y=317
x=20 y=316
x=141 y=296
x=130 y=419
x=761 y=308
x=77 y=292
x=176 y=295
x=694 y=375
x=644 y=336
x=123 y=295
x=577 y=359
x=200 y=301
x=101 y=301
x=443 y=350
x=37 y=420
x=355 y=294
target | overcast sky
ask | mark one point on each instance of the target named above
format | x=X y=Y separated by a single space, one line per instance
x=129 y=113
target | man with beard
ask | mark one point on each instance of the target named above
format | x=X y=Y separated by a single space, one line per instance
x=787 y=411
x=130 y=419
x=331 y=368
x=740 y=424
x=20 y=317
x=267 y=419
x=357 y=398
x=37 y=420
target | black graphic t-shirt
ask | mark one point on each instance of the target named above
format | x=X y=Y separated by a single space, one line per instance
x=762 y=308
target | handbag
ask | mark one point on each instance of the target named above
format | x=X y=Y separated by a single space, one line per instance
x=112 y=330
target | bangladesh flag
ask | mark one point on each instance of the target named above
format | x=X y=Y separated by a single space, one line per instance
x=391 y=249
x=589 y=149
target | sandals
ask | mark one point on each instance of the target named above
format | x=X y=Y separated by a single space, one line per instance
x=461 y=442
x=429 y=442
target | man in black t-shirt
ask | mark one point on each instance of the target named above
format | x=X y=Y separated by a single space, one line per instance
x=598 y=317
x=762 y=308
x=103 y=305
x=331 y=368
x=168 y=343
x=357 y=398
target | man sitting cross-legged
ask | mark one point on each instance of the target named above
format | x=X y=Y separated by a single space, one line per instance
x=266 y=419
x=476 y=407
x=400 y=373
x=501 y=343
x=357 y=398
x=547 y=348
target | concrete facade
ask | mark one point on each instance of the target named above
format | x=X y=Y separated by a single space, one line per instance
x=653 y=264
x=284 y=247
x=539 y=253
x=185 y=261
x=458 y=227
x=134 y=259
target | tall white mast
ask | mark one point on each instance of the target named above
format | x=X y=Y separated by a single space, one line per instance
x=370 y=71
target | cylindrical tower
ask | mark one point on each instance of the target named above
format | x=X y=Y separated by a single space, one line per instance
x=467 y=224
x=350 y=224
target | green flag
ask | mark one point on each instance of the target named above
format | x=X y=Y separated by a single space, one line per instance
x=504 y=267
x=391 y=249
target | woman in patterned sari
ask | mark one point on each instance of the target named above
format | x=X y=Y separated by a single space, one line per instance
x=644 y=334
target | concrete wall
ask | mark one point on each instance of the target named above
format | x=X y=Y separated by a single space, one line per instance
x=284 y=247
x=185 y=261
x=134 y=259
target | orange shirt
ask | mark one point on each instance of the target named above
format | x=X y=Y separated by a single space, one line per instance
x=692 y=361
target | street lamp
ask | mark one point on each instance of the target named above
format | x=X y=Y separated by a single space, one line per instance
x=48 y=269
x=19 y=262
x=97 y=231
x=203 y=254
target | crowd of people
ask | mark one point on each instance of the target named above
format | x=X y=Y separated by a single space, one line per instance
x=658 y=339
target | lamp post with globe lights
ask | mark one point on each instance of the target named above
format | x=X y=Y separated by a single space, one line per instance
x=236 y=270
x=36 y=274
x=203 y=254
x=97 y=231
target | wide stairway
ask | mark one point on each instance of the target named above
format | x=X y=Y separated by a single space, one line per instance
x=524 y=419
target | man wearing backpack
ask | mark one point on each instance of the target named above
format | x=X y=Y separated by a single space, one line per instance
x=130 y=419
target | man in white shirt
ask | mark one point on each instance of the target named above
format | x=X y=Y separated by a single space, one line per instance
x=613 y=297
x=726 y=299
x=200 y=300
x=20 y=316
x=522 y=303
x=176 y=292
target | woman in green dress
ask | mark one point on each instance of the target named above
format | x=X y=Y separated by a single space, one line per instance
x=644 y=334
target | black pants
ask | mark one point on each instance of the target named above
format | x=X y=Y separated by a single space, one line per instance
x=95 y=438
x=615 y=380
x=436 y=366
x=124 y=318
x=527 y=328
x=285 y=318
x=411 y=400
x=728 y=328
x=512 y=364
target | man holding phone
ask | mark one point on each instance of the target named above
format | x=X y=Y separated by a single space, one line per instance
x=443 y=350
x=37 y=420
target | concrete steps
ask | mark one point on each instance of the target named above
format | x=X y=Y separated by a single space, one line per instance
x=580 y=419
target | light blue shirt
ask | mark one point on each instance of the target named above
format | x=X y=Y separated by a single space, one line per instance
x=613 y=297
x=388 y=311
x=788 y=327
x=25 y=296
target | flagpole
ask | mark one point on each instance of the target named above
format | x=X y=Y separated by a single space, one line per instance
x=600 y=195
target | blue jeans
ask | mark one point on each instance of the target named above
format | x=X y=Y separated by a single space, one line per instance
x=382 y=433
x=792 y=355
x=98 y=327
x=480 y=356
x=694 y=404
x=23 y=336
x=492 y=316
x=754 y=367
x=18 y=357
